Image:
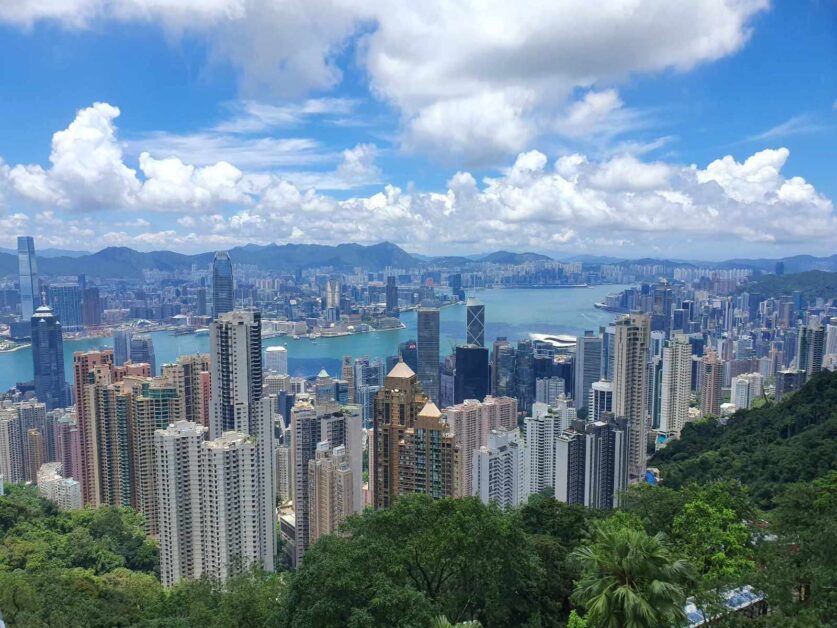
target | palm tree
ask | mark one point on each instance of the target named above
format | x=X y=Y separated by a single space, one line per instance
x=630 y=580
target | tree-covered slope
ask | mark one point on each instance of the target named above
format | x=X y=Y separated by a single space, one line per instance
x=764 y=448
x=812 y=284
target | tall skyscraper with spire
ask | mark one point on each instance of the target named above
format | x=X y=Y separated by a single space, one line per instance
x=30 y=287
x=222 y=284
x=48 y=358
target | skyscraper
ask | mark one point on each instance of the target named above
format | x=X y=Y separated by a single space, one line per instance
x=12 y=465
x=548 y=389
x=676 y=385
x=630 y=394
x=408 y=351
x=121 y=346
x=428 y=457
x=185 y=375
x=428 y=351
x=330 y=490
x=601 y=400
x=276 y=359
x=30 y=287
x=222 y=284
x=810 y=348
x=236 y=357
x=392 y=296
x=475 y=323
x=606 y=464
x=713 y=379
x=84 y=364
x=142 y=351
x=179 y=485
x=65 y=300
x=588 y=366
x=570 y=450
x=48 y=358
x=396 y=408
x=91 y=307
x=471 y=376
x=499 y=470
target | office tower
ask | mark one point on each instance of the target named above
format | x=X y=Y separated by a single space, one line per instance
x=178 y=452
x=33 y=454
x=606 y=462
x=276 y=360
x=324 y=388
x=91 y=307
x=30 y=287
x=588 y=366
x=549 y=389
x=831 y=336
x=347 y=373
x=142 y=351
x=330 y=490
x=499 y=470
x=333 y=294
x=676 y=386
x=200 y=302
x=542 y=430
x=788 y=381
x=64 y=492
x=570 y=450
x=502 y=368
x=84 y=364
x=810 y=348
x=471 y=375
x=48 y=358
x=222 y=284
x=630 y=382
x=396 y=408
x=524 y=374
x=275 y=384
x=65 y=300
x=428 y=351
x=185 y=376
x=236 y=380
x=121 y=346
x=392 y=296
x=601 y=400
x=713 y=378
x=12 y=463
x=408 y=351
x=428 y=457
x=475 y=323
x=447 y=381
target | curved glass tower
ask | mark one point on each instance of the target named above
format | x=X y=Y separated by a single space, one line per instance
x=222 y=284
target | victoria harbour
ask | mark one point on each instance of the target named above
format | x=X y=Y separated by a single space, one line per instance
x=510 y=313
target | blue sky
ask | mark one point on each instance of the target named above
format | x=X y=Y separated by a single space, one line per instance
x=639 y=127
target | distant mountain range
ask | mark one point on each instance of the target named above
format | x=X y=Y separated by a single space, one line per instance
x=126 y=263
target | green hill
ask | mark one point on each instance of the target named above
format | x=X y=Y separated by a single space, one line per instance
x=812 y=284
x=765 y=448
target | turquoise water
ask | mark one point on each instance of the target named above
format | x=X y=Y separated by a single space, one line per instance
x=510 y=313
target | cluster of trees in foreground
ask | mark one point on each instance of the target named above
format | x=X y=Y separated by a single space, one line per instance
x=425 y=563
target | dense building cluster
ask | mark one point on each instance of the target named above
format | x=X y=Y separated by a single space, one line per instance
x=221 y=451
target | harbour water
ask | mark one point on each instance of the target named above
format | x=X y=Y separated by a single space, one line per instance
x=510 y=313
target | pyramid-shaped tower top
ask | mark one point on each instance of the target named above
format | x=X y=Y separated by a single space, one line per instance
x=322 y=374
x=401 y=371
x=430 y=411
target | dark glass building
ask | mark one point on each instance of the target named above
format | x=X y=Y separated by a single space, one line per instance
x=427 y=351
x=475 y=323
x=408 y=350
x=471 y=379
x=222 y=284
x=48 y=358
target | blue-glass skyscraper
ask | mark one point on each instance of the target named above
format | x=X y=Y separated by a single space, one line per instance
x=142 y=350
x=222 y=284
x=65 y=300
x=48 y=358
x=30 y=289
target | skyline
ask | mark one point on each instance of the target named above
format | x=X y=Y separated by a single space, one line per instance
x=498 y=138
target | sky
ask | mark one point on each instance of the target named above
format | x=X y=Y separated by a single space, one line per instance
x=638 y=128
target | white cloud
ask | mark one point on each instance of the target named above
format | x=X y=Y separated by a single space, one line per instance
x=575 y=201
x=474 y=78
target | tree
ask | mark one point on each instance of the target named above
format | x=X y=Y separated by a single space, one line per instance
x=630 y=579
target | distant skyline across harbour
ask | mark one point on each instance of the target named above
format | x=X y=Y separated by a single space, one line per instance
x=511 y=313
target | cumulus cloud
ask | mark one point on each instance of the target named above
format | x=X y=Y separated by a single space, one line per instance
x=472 y=78
x=574 y=201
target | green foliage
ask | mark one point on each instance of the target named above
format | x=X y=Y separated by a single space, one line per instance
x=812 y=284
x=765 y=448
x=631 y=579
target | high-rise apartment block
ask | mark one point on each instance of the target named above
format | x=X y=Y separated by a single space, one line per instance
x=499 y=469
x=713 y=378
x=630 y=385
x=676 y=385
